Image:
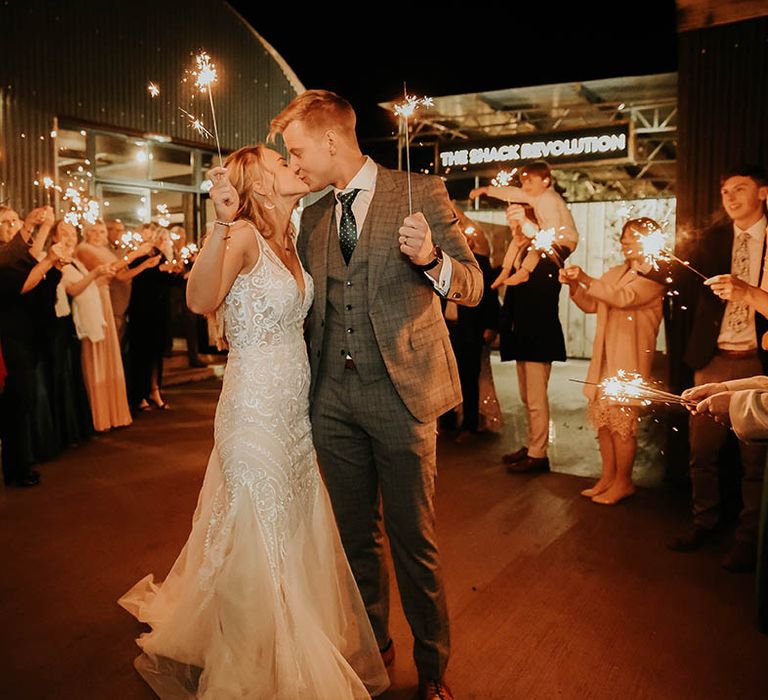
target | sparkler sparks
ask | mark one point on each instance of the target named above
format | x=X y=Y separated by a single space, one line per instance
x=504 y=178
x=163 y=215
x=411 y=104
x=654 y=248
x=196 y=123
x=629 y=388
x=206 y=74
x=153 y=89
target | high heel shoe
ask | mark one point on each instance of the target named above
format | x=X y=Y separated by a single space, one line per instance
x=162 y=405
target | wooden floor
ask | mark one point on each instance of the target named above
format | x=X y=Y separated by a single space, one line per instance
x=550 y=595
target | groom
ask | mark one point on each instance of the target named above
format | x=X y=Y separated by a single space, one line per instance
x=382 y=366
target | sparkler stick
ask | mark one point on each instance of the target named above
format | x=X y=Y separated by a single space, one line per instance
x=205 y=77
x=405 y=110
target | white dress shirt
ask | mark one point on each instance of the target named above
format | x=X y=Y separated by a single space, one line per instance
x=365 y=181
x=747 y=338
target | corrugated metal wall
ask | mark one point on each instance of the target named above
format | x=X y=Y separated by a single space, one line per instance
x=723 y=100
x=91 y=62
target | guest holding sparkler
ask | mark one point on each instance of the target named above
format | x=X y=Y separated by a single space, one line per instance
x=87 y=282
x=149 y=321
x=550 y=213
x=629 y=309
x=27 y=293
x=531 y=335
x=723 y=346
x=70 y=407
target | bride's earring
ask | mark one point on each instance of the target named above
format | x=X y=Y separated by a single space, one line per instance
x=268 y=204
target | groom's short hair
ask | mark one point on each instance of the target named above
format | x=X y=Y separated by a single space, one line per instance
x=316 y=109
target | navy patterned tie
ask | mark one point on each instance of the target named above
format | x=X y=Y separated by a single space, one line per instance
x=348 y=225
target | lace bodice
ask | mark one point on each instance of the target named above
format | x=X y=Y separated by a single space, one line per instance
x=265 y=307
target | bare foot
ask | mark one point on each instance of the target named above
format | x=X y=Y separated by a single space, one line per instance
x=600 y=487
x=617 y=492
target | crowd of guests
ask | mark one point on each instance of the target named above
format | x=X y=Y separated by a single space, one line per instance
x=84 y=328
x=722 y=330
x=85 y=322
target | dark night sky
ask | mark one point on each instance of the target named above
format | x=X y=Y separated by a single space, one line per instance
x=453 y=47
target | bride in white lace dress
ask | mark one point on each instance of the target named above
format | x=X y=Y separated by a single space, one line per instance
x=261 y=602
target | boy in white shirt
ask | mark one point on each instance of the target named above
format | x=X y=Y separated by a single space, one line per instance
x=550 y=210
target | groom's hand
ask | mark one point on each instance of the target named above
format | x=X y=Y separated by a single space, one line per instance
x=416 y=239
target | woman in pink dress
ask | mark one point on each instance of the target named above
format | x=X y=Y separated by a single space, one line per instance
x=86 y=281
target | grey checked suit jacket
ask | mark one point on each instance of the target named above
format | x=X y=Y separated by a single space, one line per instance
x=403 y=307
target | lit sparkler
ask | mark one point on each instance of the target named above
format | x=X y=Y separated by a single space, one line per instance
x=163 y=215
x=630 y=388
x=188 y=251
x=504 y=178
x=405 y=110
x=654 y=247
x=153 y=89
x=544 y=242
x=205 y=76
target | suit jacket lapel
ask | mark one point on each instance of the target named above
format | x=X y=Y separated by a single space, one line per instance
x=317 y=254
x=382 y=224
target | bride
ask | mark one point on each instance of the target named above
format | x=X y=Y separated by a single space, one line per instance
x=261 y=602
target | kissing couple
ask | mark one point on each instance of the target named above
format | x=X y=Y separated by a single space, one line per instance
x=282 y=588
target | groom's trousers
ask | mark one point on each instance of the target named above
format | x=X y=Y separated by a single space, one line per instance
x=376 y=458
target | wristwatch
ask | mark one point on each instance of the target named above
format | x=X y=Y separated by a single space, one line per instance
x=438 y=253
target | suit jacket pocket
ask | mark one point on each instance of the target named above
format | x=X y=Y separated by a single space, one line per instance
x=427 y=333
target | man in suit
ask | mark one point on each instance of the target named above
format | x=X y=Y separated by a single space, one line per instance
x=382 y=365
x=723 y=345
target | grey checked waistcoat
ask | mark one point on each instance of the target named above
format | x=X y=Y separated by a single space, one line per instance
x=348 y=329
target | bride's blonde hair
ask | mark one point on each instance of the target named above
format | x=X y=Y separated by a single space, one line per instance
x=245 y=168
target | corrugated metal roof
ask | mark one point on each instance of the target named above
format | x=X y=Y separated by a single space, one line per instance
x=90 y=62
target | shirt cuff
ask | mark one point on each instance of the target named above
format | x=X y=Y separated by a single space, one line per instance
x=530 y=229
x=443 y=283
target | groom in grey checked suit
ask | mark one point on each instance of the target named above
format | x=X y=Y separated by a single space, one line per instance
x=382 y=365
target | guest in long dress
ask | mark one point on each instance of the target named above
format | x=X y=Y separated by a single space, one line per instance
x=120 y=286
x=629 y=309
x=149 y=317
x=95 y=324
x=70 y=407
x=27 y=294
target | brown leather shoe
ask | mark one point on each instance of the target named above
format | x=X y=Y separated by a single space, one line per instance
x=741 y=558
x=388 y=653
x=691 y=538
x=434 y=690
x=529 y=465
x=516 y=456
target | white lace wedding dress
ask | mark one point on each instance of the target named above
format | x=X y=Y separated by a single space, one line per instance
x=261 y=602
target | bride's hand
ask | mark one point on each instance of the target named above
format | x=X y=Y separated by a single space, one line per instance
x=223 y=195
